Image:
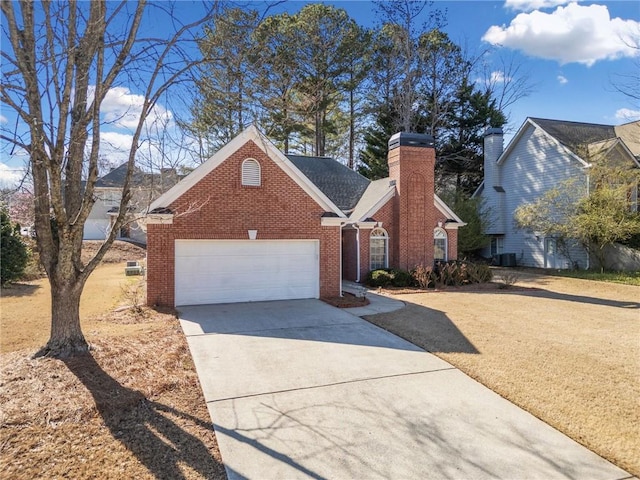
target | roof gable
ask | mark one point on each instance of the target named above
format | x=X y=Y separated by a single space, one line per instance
x=375 y=196
x=532 y=123
x=251 y=134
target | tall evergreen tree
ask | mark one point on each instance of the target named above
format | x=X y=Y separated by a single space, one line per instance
x=223 y=105
x=373 y=157
x=460 y=151
x=276 y=79
x=322 y=40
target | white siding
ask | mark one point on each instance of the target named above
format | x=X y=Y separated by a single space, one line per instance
x=96 y=229
x=534 y=165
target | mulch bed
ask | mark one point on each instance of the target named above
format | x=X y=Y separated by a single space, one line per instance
x=133 y=408
x=348 y=300
x=472 y=287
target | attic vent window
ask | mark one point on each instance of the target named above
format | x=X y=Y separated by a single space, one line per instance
x=251 y=173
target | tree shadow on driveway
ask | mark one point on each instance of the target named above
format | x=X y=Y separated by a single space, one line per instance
x=146 y=428
x=307 y=320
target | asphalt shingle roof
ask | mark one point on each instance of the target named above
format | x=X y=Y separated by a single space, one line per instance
x=341 y=185
x=574 y=135
x=115 y=178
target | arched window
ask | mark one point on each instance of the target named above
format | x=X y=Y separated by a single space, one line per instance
x=251 y=173
x=378 y=249
x=439 y=245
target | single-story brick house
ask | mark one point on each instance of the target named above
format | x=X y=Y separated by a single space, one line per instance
x=252 y=224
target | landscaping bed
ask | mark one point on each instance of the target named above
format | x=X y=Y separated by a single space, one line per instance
x=133 y=408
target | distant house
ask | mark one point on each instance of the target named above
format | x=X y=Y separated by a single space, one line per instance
x=254 y=224
x=145 y=187
x=541 y=155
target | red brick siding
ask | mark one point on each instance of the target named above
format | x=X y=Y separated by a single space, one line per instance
x=349 y=252
x=219 y=207
x=452 y=244
x=413 y=170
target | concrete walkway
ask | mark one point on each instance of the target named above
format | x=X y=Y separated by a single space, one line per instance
x=299 y=389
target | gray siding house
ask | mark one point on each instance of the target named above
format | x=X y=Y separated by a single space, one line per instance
x=542 y=154
x=145 y=188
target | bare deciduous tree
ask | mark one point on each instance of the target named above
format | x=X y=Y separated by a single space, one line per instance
x=60 y=60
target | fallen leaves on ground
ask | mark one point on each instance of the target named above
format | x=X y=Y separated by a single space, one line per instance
x=133 y=408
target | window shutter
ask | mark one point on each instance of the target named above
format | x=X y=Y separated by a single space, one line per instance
x=251 y=173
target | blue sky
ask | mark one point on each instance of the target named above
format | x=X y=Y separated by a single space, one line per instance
x=571 y=52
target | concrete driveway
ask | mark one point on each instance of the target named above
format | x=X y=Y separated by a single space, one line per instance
x=299 y=389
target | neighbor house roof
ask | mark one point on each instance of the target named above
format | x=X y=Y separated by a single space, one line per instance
x=115 y=178
x=575 y=135
x=341 y=184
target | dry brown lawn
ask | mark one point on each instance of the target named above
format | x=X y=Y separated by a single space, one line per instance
x=132 y=409
x=566 y=350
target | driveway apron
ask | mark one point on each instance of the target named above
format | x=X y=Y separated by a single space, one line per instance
x=300 y=389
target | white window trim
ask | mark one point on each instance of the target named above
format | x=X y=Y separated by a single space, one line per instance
x=441 y=234
x=385 y=236
x=252 y=178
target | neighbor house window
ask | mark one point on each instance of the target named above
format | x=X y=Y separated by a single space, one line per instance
x=251 y=173
x=379 y=249
x=440 y=245
x=497 y=246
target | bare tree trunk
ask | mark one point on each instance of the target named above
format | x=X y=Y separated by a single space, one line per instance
x=66 y=339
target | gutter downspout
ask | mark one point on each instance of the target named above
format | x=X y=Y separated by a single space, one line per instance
x=357 y=252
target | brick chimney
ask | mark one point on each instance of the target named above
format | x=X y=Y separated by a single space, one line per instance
x=412 y=161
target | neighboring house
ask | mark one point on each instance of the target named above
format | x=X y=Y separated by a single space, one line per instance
x=254 y=224
x=541 y=155
x=145 y=188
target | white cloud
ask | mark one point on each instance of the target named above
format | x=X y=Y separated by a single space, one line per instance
x=10 y=176
x=575 y=33
x=529 y=5
x=562 y=80
x=627 y=115
x=497 y=77
x=3 y=119
x=122 y=109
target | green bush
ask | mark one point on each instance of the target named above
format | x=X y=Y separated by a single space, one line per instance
x=13 y=251
x=402 y=278
x=379 y=278
x=385 y=277
x=453 y=273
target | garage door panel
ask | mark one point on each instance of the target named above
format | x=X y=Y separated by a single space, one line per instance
x=221 y=271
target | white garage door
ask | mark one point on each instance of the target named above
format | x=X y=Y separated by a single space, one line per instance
x=228 y=271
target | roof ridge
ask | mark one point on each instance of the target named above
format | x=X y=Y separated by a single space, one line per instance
x=572 y=122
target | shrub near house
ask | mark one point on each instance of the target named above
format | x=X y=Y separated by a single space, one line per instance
x=14 y=254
